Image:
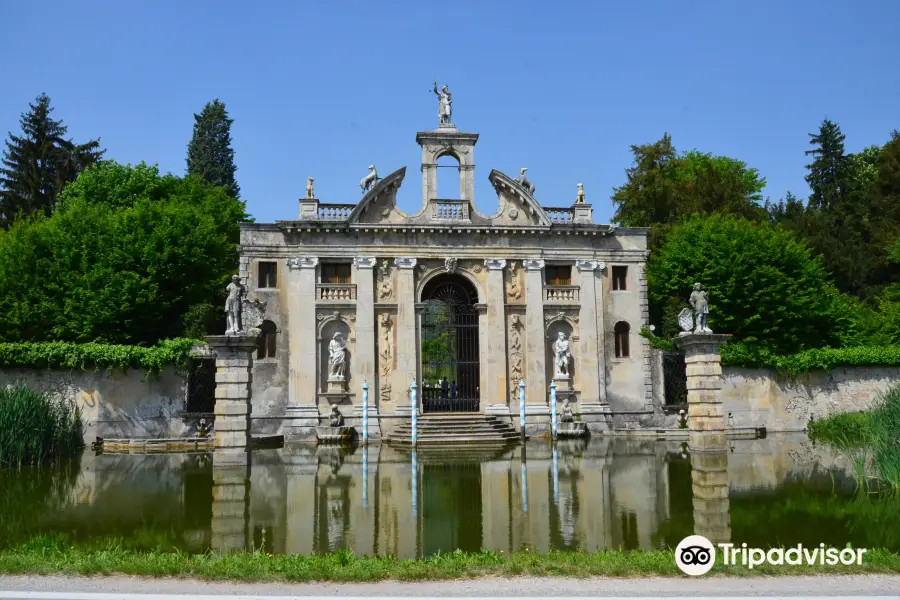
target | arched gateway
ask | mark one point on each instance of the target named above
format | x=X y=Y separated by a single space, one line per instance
x=449 y=338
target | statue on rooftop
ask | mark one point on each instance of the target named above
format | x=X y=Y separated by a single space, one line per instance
x=369 y=181
x=309 y=187
x=234 y=306
x=580 y=199
x=525 y=182
x=445 y=105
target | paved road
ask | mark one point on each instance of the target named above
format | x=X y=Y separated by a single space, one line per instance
x=128 y=588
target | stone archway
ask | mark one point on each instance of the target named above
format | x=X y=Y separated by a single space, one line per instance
x=449 y=345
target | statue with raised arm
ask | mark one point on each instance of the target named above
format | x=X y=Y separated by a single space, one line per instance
x=563 y=356
x=233 y=306
x=336 y=358
x=445 y=104
x=700 y=303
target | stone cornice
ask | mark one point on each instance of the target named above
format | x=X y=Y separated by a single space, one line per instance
x=405 y=262
x=301 y=262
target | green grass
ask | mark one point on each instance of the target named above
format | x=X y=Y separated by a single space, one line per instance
x=35 y=429
x=49 y=555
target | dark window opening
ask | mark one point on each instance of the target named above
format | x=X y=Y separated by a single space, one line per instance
x=201 y=397
x=268 y=275
x=267 y=340
x=559 y=275
x=619 y=278
x=622 y=331
x=335 y=273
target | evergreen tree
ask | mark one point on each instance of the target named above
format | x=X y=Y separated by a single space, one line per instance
x=39 y=163
x=828 y=173
x=210 y=155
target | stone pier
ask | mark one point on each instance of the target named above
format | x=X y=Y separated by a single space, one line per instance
x=234 y=365
x=709 y=484
x=231 y=504
x=706 y=415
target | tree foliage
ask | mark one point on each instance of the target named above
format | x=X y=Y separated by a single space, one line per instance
x=128 y=255
x=38 y=163
x=764 y=286
x=210 y=156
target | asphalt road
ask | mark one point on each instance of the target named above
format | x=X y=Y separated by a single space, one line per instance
x=29 y=587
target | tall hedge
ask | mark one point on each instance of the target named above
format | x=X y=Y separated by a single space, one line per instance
x=765 y=288
x=129 y=257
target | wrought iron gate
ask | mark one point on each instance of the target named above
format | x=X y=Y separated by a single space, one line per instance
x=450 y=370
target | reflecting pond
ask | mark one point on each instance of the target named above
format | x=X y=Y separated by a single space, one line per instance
x=598 y=493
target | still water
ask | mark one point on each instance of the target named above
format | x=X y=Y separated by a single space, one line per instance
x=599 y=493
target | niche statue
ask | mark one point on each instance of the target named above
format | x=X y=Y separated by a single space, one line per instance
x=337 y=419
x=563 y=356
x=337 y=355
x=234 y=306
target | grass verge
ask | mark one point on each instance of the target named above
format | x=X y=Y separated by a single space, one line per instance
x=39 y=557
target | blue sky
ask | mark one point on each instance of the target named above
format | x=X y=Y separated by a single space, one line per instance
x=324 y=89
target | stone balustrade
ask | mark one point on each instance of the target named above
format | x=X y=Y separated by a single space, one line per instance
x=560 y=215
x=335 y=292
x=335 y=212
x=562 y=294
x=450 y=210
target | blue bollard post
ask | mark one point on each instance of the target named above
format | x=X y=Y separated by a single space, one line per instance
x=553 y=409
x=365 y=413
x=522 y=407
x=415 y=414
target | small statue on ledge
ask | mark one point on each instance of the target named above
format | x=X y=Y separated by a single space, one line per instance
x=567 y=416
x=580 y=199
x=234 y=306
x=337 y=419
x=309 y=187
x=369 y=181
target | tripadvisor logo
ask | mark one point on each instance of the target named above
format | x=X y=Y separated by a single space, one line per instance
x=696 y=555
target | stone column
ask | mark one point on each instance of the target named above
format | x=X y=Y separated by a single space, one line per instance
x=302 y=414
x=230 y=504
x=594 y=409
x=537 y=408
x=364 y=362
x=709 y=482
x=496 y=393
x=406 y=350
x=234 y=374
x=706 y=416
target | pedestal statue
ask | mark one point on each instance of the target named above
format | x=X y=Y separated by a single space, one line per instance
x=234 y=306
x=699 y=320
x=445 y=105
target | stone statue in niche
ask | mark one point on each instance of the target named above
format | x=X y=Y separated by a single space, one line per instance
x=337 y=354
x=369 y=181
x=309 y=187
x=700 y=303
x=445 y=104
x=337 y=419
x=566 y=416
x=386 y=358
x=385 y=288
x=234 y=306
x=513 y=290
x=563 y=356
x=525 y=182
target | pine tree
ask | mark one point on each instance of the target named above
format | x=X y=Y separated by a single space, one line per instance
x=828 y=172
x=210 y=155
x=39 y=163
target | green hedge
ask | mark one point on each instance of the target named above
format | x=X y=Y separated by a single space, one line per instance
x=40 y=355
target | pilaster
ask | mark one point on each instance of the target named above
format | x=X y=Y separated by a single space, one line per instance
x=364 y=361
x=302 y=414
x=593 y=407
x=496 y=391
x=406 y=352
x=535 y=354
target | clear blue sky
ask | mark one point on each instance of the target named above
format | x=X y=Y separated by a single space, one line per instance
x=324 y=89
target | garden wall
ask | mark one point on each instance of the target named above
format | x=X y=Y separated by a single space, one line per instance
x=759 y=397
x=114 y=403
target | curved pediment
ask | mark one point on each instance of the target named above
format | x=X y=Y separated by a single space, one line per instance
x=512 y=189
x=385 y=187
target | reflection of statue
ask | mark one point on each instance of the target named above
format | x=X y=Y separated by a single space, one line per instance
x=336 y=356
x=337 y=419
x=369 y=180
x=700 y=303
x=567 y=416
x=445 y=104
x=563 y=356
x=309 y=188
x=233 y=305
x=525 y=182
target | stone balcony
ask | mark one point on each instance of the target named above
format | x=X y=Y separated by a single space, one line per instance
x=562 y=294
x=335 y=292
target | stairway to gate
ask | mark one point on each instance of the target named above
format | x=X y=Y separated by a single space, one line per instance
x=437 y=429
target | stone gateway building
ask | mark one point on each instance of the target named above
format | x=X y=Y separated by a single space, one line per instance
x=465 y=304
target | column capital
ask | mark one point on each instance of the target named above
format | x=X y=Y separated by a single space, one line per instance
x=405 y=262
x=495 y=264
x=302 y=262
x=364 y=262
x=590 y=265
x=533 y=264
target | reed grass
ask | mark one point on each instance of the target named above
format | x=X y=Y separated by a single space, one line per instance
x=36 y=429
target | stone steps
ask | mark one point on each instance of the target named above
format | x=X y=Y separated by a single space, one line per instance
x=455 y=429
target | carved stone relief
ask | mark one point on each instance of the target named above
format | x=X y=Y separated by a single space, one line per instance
x=385 y=358
x=450 y=264
x=513 y=289
x=385 y=285
x=516 y=359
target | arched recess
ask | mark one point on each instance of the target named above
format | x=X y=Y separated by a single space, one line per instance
x=449 y=183
x=450 y=345
x=428 y=279
x=622 y=335
x=554 y=328
x=327 y=328
x=267 y=346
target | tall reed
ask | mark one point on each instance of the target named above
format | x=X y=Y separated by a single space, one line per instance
x=36 y=429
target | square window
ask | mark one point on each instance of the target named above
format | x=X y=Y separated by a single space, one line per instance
x=559 y=274
x=335 y=273
x=268 y=275
x=619 y=278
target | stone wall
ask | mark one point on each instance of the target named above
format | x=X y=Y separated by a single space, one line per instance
x=114 y=403
x=758 y=397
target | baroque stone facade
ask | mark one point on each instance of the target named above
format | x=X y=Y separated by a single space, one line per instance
x=463 y=303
